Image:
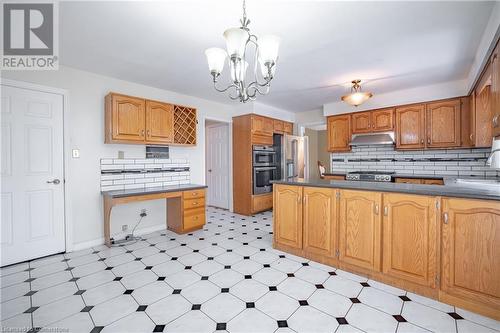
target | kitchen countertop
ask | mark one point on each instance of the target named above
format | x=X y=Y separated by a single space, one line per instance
x=151 y=190
x=449 y=189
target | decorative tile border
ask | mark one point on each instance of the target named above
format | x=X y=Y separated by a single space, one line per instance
x=451 y=162
x=120 y=174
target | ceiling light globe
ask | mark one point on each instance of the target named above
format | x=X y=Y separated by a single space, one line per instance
x=216 y=58
x=268 y=48
x=236 y=40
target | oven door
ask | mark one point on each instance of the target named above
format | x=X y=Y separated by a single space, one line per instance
x=262 y=177
x=264 y=158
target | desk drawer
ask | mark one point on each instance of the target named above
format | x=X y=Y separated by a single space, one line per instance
x=193 y=203
x=194 y=194
x=194 y=218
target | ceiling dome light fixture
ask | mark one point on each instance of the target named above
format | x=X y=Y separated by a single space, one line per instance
x=237 y=41
x=356 y=97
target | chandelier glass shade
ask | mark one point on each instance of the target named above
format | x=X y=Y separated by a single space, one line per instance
x=356 y=97
x=239 y=43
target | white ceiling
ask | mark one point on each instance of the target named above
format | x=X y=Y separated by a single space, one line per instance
x=389 y=45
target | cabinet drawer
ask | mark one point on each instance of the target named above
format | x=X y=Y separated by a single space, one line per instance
x=194 y=194
x=194 y=218
x=193 y=203
x=262 y=202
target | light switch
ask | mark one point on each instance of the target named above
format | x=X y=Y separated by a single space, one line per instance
x=76 y=153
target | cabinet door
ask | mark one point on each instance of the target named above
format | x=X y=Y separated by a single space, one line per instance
x=128 y=118
x=360 y=228
x=361 y=122
x=471 y=250
x=382 y=120
x=410 y=127
x=288 y=128
x=159 y=122
x=262 y=125
x=410 y=238
x=443 y=124
x=278 y=126
x=495 y=90
x=288 y=215
x=483 y=130
x=319 y=220
x=339 y=133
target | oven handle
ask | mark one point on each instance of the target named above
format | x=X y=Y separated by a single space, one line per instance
x=265 y=168
x=262 y=152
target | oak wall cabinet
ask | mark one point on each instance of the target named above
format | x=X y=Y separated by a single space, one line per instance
x=339 y=133
x=373 y=121
x=410 y=127
x=443 y=121
x=135 y=120
x=495 y=90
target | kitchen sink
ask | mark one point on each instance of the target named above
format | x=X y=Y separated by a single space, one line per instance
x=491 y=184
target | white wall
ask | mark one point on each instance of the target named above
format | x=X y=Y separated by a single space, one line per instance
x=485 y=46
x=401 y=97
x=86 y=132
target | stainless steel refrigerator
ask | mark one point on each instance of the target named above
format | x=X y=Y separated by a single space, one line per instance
x=295 y=157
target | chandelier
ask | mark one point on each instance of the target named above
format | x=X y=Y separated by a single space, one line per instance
x=356 y=97
x=264 y=66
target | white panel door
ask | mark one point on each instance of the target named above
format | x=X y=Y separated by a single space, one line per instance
x=32 y=198
x=218 y=166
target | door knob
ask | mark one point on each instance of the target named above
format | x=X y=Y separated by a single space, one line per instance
x=55 y=181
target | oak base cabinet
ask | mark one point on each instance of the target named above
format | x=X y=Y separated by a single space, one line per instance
x=288 y=215
x=471 y=250
x=410 y=238
x=360 y=229
x=319 y=220
x=444 y=248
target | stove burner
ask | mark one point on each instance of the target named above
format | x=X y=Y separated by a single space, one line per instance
x=370 y=176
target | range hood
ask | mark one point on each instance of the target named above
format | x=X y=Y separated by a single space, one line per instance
x=368 y=139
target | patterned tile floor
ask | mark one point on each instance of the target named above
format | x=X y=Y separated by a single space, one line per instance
x=226 y=277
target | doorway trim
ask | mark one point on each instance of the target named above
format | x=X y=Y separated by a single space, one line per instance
x=224 y=122
x=68 y=222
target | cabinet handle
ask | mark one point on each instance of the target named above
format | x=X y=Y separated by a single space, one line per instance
x=142 y=132
x=299 y=199
x=445 y=218
x=386 y=210
x=376 y=209
x=195 y=218
x=429 y=140
x=471 y=137
x=495 y=121
x=195 y=203
x=422 y=141
x=148 y=133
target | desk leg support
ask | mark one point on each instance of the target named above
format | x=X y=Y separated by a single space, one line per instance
x=108 y=205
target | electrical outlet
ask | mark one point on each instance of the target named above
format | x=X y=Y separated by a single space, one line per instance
x=125 y=227
x=143 y=213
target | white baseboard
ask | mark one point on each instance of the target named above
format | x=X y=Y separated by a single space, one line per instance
x=100 y=241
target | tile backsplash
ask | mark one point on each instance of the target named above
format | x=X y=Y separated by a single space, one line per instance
x=446 y=162
x=131 y=173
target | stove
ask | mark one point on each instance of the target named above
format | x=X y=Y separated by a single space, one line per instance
x=370 y=176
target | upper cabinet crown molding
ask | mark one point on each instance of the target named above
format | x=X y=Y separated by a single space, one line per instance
x=135 y=120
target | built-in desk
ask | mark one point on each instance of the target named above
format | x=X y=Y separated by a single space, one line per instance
x=185 y=205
